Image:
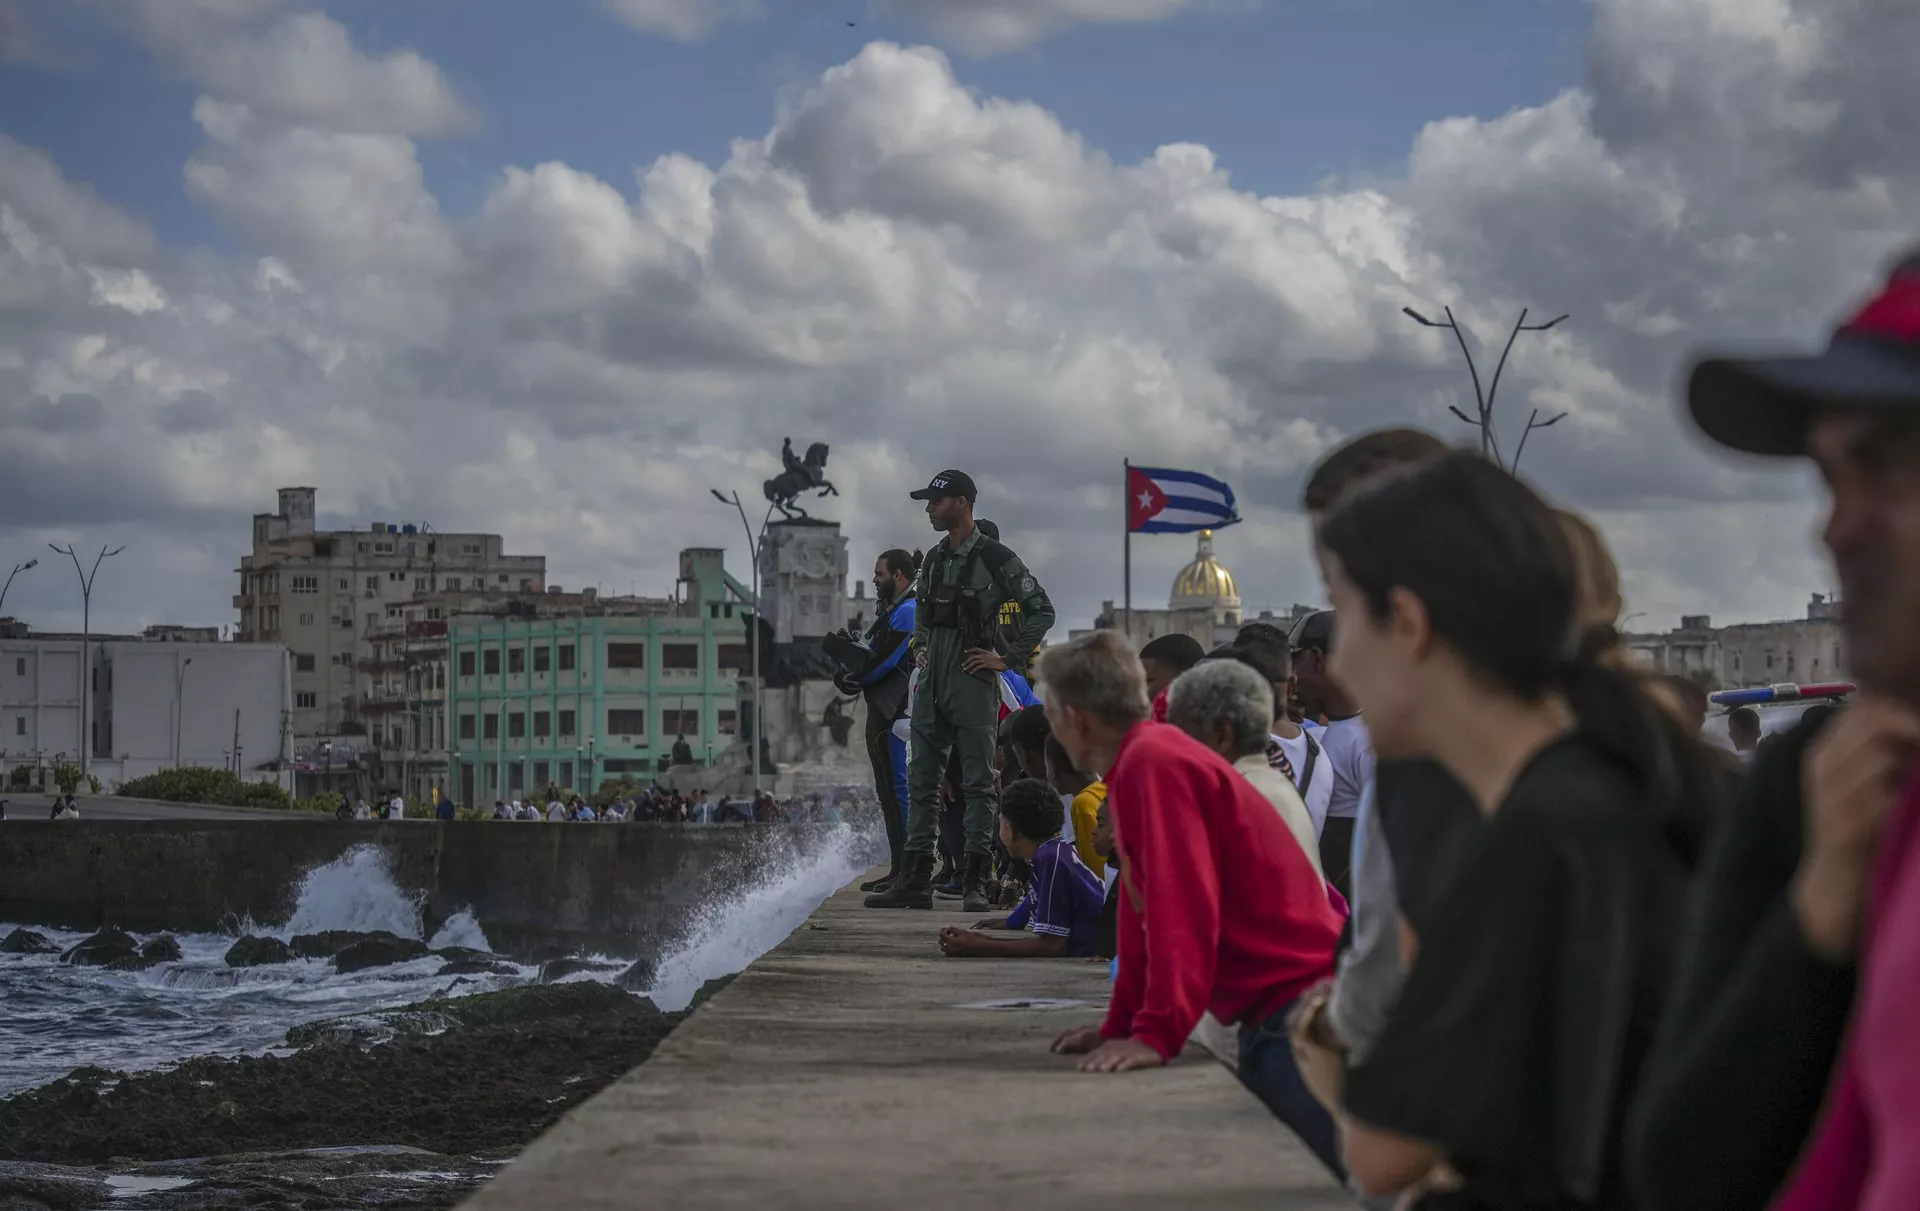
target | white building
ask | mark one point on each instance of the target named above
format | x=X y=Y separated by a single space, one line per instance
x=154 y=705
x=1803 y=650
x=325 y=595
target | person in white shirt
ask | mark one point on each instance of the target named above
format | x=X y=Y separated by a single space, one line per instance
x=396 y=807
x=555 y=812
x=1291 y=751
x=1344 y=744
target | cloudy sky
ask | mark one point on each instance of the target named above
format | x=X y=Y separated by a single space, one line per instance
x=555 y=270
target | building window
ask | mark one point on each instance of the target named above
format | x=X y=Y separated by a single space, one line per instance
x=466 y=664
x=542 y=724
x=20 y=666
x=453 y=584
x=383 y=548
x=373 y=621
x=566 y=773
x=305 y=699
x=439 y=676
x=491 y=727
x=344 y=584
x=566 y=723
x=346 y=622
x=566 y=657
x=516 y=660
x=420 y=584
x=542 y=658
x=373 y=584
x=540 y=773
x=727 y=723
x=466 y=727
x=1789 y=663
x=306 y=620
x=503 y=578
x=731 y=656
x=680 y=723
x=490 y=662
x=679 y=655
x=469 y=548
x=306 y=584
x=516 y=775
x=626 y=655
x=393 y=612
x=1769 y=661
x=19 y=725
x=627 y=723
x=303 y=663
x=517 y=725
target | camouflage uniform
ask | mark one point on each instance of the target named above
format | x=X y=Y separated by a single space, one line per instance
x=955 y=708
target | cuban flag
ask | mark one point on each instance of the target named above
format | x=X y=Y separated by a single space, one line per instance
x=1160 y=501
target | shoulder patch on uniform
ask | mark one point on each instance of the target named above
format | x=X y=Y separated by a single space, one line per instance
x=1027 y=584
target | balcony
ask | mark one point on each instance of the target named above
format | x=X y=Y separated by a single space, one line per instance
x=242 y=601
x=380 y=664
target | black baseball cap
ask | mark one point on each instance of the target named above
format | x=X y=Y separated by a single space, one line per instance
x=1763 y=405
x=1313 y=631
x=948 y=483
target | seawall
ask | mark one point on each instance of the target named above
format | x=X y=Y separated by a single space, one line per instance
x=621 y=889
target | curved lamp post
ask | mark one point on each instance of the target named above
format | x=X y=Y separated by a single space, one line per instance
x=1489 y=440
x=86 y=646
x=759 y=696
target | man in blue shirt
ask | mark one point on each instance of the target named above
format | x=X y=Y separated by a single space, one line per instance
x=883 y=682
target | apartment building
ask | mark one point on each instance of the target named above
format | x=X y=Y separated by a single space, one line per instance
x=327 y=595
x=1802 y=650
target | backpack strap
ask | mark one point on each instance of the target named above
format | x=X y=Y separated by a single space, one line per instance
x=1313 y=756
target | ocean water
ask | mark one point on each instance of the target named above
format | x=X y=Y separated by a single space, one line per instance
x=55 y=1018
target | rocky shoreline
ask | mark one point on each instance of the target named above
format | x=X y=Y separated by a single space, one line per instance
x=448 y=1089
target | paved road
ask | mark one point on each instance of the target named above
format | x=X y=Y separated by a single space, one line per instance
x=111 y=807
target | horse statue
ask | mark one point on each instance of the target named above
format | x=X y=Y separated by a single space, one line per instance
x=802 y=475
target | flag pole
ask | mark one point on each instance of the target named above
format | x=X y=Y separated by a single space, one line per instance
x=1126 y=529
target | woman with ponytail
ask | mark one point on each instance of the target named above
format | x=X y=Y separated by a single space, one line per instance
x=1500 y=1079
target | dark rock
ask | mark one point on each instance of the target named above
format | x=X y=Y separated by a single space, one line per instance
x=477 y=967
x=554 y=969
x=456 y=954
x=153 y=952
x=27 y=942
x=103 y=948
x=639 y=977
x=251 y=951
x=378 y=952
x=328 y=943
x=25 y=1184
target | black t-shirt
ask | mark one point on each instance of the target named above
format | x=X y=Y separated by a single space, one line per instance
x=1517 y=1039
x=1429 y=821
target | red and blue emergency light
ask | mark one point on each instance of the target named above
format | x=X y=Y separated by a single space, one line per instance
x=1781 y=693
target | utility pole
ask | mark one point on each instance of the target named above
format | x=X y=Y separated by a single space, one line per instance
x=179 y=706
x=86 y=647
x=753 y=631
x=1484 y=421
x=17 y=569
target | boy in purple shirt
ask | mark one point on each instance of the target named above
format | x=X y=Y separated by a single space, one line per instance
x=1064 y=897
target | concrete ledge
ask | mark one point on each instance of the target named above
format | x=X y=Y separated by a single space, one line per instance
x=839 y=1071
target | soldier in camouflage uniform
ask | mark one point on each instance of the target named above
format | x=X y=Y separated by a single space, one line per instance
x=965 y=584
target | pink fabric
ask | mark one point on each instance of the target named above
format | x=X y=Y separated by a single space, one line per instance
x=1863 y=1156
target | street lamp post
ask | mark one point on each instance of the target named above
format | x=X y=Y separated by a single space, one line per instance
x=86 y=647
x=17 y=569
x=179 y=706
x=759 y=695
x=1489 y=440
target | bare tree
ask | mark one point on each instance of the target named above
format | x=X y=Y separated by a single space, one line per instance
x=1484 y=421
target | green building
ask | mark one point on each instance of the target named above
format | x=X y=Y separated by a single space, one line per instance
x=575 y=698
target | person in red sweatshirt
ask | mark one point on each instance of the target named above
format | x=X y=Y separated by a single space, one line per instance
x=1222 y=911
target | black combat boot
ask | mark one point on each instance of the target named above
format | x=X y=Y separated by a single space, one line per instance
x=913 y=889
x=884 y=881
x=975 y=884
x=946 y=880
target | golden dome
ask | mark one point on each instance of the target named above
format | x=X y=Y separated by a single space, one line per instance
x=1205 y=583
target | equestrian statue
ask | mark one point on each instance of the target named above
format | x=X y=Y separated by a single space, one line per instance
x=802 y=475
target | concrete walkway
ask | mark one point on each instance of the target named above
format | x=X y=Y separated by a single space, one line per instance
x=845 y=1068
x=32 y=806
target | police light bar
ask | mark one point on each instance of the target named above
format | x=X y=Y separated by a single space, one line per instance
x=1781 y=693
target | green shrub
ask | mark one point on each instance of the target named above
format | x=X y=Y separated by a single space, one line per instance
x=93 y=784
x=20 y=778
x=199 y=784
x=66 y=776
x=619 y=787
x=325 y=803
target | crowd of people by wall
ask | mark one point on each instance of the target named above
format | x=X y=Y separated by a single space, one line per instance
x=1461 y=895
